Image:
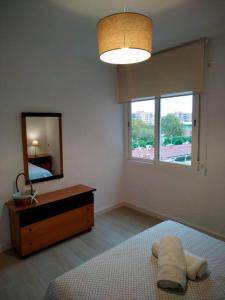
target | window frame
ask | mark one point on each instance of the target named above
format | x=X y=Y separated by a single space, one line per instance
x=130 y=157
x=195 y=151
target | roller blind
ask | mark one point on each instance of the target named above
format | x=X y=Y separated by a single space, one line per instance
x=173 y=71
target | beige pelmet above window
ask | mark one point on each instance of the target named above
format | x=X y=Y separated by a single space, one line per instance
x=172 y=71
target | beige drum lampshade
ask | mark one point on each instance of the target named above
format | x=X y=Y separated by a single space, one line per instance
x=124 y=38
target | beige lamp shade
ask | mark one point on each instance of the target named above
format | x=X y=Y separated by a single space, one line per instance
x=35 y=143
x=124 y=38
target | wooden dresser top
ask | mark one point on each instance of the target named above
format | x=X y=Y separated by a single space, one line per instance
x=52 y=197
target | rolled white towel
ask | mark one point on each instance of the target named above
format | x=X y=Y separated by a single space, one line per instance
x=171 y=264
x=196 y=266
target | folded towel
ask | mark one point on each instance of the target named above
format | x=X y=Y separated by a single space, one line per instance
x=196 y=266
x=171 y=264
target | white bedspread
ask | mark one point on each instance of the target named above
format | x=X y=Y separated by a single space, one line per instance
x=128 y=271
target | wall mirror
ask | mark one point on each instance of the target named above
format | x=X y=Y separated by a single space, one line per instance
x=42 y=146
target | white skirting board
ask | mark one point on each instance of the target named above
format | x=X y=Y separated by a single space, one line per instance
x=164 y=217
x=108 y=208
x=5 y=247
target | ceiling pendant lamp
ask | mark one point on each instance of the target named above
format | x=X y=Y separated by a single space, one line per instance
x=124 y=38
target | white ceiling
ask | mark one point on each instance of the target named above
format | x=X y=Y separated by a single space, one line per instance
x=175 y=21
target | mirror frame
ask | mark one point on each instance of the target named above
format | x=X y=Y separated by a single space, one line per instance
x=24 y=141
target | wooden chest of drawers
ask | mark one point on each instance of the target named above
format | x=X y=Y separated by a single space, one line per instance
x=58 y=215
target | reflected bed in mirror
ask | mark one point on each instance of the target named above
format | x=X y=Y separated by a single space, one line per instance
x=42 y=146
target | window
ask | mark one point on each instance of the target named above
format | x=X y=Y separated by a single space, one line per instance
x=143 y=127
x=176 y=129
x=161 y=129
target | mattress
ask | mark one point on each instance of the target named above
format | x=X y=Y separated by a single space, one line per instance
x=129 y=271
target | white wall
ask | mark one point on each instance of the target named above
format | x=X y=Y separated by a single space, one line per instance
x=41 y=71
x=187 y=195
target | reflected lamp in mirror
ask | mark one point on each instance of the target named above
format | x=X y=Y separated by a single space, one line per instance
x=35 y=143
x=42 y=146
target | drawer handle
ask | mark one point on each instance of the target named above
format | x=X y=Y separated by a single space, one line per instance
x=30 y=229
x=30 y=243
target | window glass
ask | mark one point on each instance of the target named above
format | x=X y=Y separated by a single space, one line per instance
x=142 y=129
x=176 y=129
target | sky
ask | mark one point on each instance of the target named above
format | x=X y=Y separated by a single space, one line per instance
x=168 y=105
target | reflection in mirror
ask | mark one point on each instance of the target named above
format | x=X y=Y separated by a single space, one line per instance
x=42 y=145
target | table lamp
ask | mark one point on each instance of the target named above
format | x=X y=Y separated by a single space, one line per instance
x=35 y=143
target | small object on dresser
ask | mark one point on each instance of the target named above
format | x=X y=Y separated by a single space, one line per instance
x=24 y=196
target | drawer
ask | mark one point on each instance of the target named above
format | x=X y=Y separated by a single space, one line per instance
x=44 y=233
x=40 y=213
x=40 y=159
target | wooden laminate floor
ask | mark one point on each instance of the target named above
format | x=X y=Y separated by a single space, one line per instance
x=27 y=279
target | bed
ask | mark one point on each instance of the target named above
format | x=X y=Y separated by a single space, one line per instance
x=129 y=271
x=36 y=172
